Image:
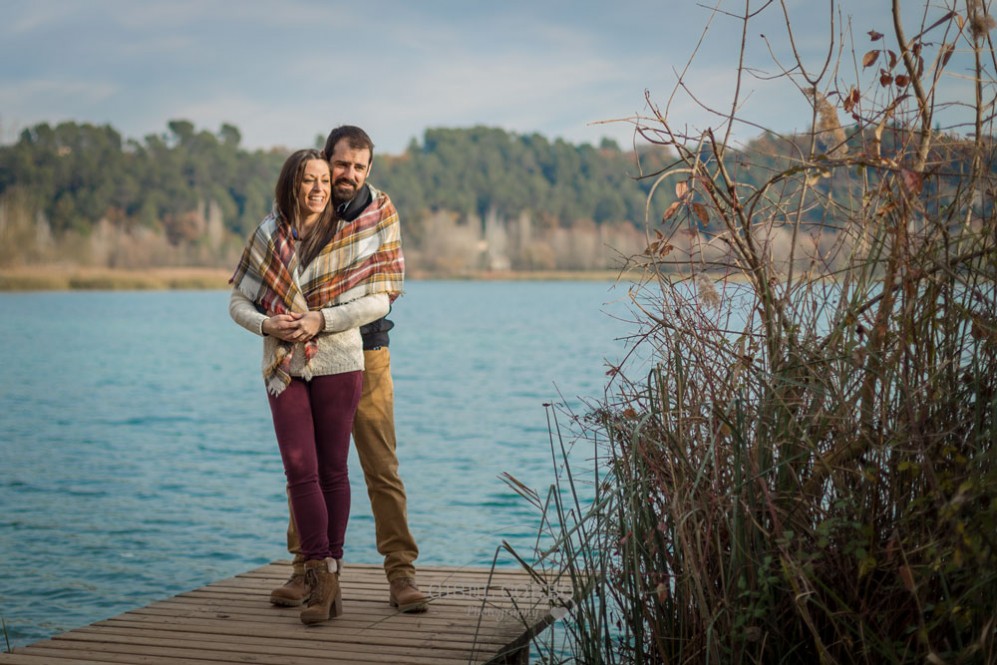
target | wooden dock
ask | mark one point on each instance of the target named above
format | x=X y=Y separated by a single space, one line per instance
x=476 y=616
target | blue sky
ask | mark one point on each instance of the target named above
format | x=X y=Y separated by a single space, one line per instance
x=284 y=72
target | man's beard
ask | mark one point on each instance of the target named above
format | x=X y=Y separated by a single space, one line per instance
x=344 y=191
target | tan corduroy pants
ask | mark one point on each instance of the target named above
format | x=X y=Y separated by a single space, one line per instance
x=374 y=437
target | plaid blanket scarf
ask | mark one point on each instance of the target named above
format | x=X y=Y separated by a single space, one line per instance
x=363 y=258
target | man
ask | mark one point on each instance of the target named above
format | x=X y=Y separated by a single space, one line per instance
x=350 y=153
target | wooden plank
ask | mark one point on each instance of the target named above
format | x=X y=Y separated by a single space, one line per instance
x=266 y=649
x=24 y=659
x=475 y=616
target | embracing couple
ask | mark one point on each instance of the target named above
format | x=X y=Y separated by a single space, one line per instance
x=316 y=281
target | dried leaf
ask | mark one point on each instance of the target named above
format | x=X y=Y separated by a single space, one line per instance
x=977 y=331
x=901 y=80
x=893 y=59
x=913 y=181
x=701 y=212
x=662 y=591
x=681 y=189
x=875 y=36
x=851 y=100
x=887 y=209
x=705 y=182
x=947 y=51
x=659 y=248
x=885 y=79
x=870 y=58
x=670 y=212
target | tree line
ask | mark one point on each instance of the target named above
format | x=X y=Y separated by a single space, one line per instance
x=469 y=199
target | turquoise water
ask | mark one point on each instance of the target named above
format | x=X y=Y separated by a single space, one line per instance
x=137 y=458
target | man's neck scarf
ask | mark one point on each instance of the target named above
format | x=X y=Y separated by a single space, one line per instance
x=363 y=258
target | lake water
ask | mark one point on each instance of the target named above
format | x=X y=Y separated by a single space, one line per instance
x=137 y=457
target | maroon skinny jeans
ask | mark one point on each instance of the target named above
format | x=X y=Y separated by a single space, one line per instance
x=313 y=420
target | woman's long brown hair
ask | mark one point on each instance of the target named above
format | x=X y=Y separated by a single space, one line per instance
x=287 y=206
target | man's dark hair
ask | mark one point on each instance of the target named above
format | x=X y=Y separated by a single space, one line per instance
x=356 y=137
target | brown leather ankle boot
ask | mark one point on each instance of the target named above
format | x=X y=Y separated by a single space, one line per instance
x=405 y=595
x=326 y=601
x=294 y=592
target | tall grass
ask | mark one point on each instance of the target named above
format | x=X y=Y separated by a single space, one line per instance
x=805 y=473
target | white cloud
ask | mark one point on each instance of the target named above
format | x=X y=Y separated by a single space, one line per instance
x=283 y=73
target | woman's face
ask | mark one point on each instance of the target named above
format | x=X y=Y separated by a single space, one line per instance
x=313 y=193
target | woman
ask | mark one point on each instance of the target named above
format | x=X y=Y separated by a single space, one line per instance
x=306 y=282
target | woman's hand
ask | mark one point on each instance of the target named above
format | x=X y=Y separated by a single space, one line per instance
x=294 y=326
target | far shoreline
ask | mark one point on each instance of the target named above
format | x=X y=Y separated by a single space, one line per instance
x=73 y=278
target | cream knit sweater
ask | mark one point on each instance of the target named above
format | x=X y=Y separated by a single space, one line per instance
x=340 y=348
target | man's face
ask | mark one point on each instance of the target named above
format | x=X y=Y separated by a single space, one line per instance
x=350 y=168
